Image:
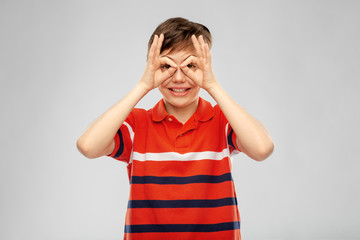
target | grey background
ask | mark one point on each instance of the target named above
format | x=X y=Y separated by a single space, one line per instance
x=292 y=64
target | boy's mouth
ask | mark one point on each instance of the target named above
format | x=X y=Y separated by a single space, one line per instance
x=179 y=90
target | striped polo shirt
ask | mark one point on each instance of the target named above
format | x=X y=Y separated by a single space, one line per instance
x=180 y=175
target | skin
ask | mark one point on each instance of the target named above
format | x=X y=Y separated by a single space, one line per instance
x=181 y=105
x=179 y=75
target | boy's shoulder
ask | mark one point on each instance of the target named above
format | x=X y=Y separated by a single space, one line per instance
x=142 y=113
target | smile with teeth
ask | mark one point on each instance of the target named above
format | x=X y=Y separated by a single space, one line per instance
x=179 y=90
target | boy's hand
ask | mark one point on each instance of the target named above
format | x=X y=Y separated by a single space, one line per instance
x=199 y=68
x=157 y=69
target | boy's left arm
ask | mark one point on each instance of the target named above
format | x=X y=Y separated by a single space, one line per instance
x=252 y=138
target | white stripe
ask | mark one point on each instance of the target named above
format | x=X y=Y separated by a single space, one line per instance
x=174 y=156
x=131 y=131
x=226 y=136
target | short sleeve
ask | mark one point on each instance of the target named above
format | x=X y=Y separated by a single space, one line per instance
x=124 y=140
x=230 y=134
x=231 y=139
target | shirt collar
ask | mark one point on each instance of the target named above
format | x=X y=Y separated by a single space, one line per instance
x=204 y=112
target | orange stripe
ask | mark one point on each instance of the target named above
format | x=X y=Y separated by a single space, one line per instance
x=223 y=235
x=182 y=215
x=182 y=192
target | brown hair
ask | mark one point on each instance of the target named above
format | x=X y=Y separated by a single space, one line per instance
x=177 y=34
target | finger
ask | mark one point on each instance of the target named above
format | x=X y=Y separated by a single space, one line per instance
x=159 y=44
x=196 y=45
x=189 y=60
x=152 y=48
x=166 y=76
x=166 y=60
x=188 y=71
x=202 y=44
x=208 y=54
x=168 y=73
x=167 y=80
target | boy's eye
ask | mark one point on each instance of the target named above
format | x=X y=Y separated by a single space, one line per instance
x=191 y=65
x=165 y=66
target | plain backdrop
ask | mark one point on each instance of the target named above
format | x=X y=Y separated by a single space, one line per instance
x=294 y=65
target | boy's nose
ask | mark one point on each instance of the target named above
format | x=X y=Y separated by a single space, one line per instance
x=179 y=76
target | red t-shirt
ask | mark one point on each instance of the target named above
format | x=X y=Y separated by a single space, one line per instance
x=180 y=175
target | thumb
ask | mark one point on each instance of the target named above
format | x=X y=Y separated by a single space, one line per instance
x=187 y=71
x=189 y=65
x=169 y=72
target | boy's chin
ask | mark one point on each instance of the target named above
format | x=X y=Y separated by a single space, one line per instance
x=180 y=102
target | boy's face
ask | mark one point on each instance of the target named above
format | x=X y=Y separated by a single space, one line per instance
x=179 y=91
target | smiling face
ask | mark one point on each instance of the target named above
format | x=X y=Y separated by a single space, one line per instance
x=180 y=93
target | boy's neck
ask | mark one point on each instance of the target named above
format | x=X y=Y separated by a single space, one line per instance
x=182 y=114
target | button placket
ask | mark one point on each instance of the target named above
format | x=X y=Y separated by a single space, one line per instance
x=185 y=135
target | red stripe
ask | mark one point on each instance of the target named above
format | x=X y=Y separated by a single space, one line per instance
x=182 y=192
x=223 y=235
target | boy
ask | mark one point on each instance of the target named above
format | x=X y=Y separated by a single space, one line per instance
x=178 y=152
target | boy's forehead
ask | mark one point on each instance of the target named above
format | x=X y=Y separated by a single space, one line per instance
x=178 y=53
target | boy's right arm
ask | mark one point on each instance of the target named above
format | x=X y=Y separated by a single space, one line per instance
x=98 y=139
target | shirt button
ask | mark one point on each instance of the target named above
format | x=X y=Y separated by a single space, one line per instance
x=170 y=119
x=181 y=135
